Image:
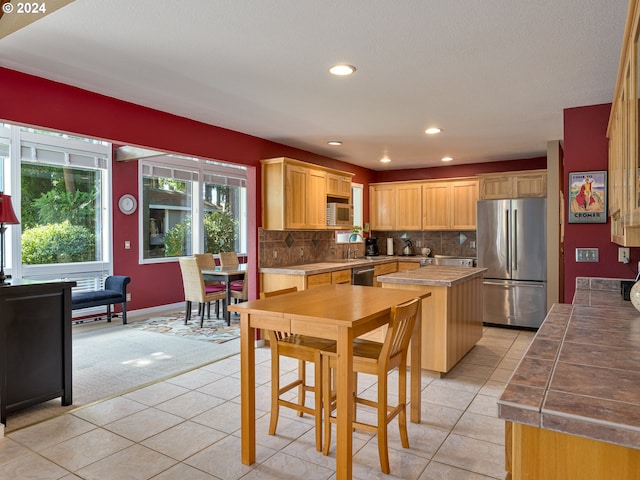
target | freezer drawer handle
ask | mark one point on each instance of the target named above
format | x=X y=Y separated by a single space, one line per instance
x=519 y=284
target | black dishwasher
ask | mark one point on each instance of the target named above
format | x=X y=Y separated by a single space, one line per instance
x=362 y=275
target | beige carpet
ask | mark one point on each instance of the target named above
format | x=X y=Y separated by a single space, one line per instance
x=110 y=359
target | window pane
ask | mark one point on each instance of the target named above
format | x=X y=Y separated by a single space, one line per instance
x=60 y=214
x=166 y=226
x=222 y=207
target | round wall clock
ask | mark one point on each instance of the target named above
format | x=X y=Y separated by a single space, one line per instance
x=127 y=204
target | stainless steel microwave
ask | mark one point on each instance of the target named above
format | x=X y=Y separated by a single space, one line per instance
x=339 y=214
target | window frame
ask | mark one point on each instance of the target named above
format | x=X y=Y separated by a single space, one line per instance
x=201 y=170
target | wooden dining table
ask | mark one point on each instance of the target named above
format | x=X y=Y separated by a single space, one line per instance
x=336 y=312
x=226 y=275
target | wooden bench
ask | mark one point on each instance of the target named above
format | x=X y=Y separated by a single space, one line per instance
x=115 y=291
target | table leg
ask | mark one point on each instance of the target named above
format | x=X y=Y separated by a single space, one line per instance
x=416 y=369
x=344 y=407
x=227 y=313
x=247 y=390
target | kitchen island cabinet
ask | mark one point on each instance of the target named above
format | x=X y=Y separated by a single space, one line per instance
x=451 y=316
x=572 y=406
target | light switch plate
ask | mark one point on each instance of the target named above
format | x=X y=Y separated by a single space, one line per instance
x=587 y=255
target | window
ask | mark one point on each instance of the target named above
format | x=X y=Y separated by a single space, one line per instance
x=356 y=198
x=61 y=193
x=168 y=227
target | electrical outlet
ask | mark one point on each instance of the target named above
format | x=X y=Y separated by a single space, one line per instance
x=275 y=253
x=127 y=245
x=128 y=297
x=587 y=255
x=623 y=254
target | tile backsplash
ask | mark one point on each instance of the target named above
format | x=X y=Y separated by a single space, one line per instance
x=278 y=248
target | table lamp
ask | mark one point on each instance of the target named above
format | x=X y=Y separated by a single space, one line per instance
x=7 y=216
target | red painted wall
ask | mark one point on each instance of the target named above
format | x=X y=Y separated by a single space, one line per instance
x=466 y=170
x=39 y=102
x=586 y=148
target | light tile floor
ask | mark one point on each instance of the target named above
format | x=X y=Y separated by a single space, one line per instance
x=187 y=428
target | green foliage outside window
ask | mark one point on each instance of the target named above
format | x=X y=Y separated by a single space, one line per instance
x=57 y=243
x=219 y=232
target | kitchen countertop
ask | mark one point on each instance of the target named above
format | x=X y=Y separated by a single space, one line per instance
x=433 y=276
x=333 y=265
x=581 y=373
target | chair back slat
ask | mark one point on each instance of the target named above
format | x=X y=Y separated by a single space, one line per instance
x=403 y=320
x=275 y=335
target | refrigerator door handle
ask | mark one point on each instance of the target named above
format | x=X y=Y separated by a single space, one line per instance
x=515 y=240
x=506 y=237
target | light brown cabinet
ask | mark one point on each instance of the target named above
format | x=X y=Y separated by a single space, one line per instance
x=429 y=205
x=382 y=206
x=408 y=206
x=449 y=205
x=338 y=185
x=294 y=194
x=383 y=269
x=624 y=178
x=395 y=206
x=529 y=183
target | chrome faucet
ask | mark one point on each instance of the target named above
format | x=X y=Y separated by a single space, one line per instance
x=353 y=235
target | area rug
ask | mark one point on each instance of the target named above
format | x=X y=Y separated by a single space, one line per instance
x=213 y=330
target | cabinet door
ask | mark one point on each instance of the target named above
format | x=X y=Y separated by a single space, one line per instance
x=382 y=205
x=496 y=187
x=436 y=206
x=464 y=197
x=316 y=199
x=296 y=197
x=338 y=185
x=534 y=185
x=408 y=207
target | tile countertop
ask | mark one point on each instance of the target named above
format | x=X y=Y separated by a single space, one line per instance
x=581 y=373
x=439 y=276
x=333 y=265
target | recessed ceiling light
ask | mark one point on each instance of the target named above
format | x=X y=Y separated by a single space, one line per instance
x=385 y=159
x=447 y=159
x=335 y=142
x=432 y=130
x=342 y=69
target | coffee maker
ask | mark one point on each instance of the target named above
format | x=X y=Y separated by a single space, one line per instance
x=371 y=247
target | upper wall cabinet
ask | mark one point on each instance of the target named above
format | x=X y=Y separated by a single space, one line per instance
x=339 y=185
x=528 y=183
x=449 y=205
x=395 y=206
x=428 y=205
x=294 y=194
x=624 y=190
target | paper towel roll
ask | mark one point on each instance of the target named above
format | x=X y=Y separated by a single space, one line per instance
x=389 y=246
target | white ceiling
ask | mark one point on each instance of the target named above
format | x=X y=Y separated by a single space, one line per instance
x=494 y=74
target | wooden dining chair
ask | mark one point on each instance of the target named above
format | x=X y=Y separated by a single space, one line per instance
x=304 y=349
x=375 y=358
x=194 y=288
x=207 y=261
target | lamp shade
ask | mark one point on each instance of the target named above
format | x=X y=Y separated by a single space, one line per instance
x=7 y=215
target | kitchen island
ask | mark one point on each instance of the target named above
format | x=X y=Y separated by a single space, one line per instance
x=451 y=316
x=572 y=406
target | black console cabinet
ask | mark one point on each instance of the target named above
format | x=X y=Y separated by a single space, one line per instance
x=35 y=344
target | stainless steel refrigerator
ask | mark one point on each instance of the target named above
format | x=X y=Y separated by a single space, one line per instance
x=511 y=243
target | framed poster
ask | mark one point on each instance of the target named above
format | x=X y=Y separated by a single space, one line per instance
x=588 y=197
